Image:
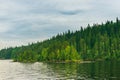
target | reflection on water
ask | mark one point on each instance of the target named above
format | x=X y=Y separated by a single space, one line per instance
x=105 y=70
x=91 y=71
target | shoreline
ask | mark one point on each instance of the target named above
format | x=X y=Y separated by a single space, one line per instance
x=67 y=61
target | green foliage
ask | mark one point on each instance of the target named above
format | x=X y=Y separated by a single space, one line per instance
x=92 y=43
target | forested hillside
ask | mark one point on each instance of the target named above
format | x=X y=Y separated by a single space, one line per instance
x=97 y=42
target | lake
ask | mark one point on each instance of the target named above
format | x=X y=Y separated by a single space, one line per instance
x=102 y=70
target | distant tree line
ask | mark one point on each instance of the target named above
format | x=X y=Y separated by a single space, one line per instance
x=97 y=42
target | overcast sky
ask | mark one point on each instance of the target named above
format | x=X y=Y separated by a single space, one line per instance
x=24 y=21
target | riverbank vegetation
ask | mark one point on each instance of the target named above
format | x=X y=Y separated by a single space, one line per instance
x=97 y=42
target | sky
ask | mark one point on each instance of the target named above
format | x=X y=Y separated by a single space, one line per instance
x=27 y=21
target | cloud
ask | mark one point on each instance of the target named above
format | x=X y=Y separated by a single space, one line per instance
x=28 y=20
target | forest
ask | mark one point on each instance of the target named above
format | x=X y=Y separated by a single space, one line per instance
x=96 y=42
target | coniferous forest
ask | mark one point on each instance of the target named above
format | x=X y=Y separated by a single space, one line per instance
x=97 y=42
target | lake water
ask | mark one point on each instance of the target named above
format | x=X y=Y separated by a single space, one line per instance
x=104 y=70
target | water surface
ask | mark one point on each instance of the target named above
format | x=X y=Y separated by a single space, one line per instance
x=104 y=70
